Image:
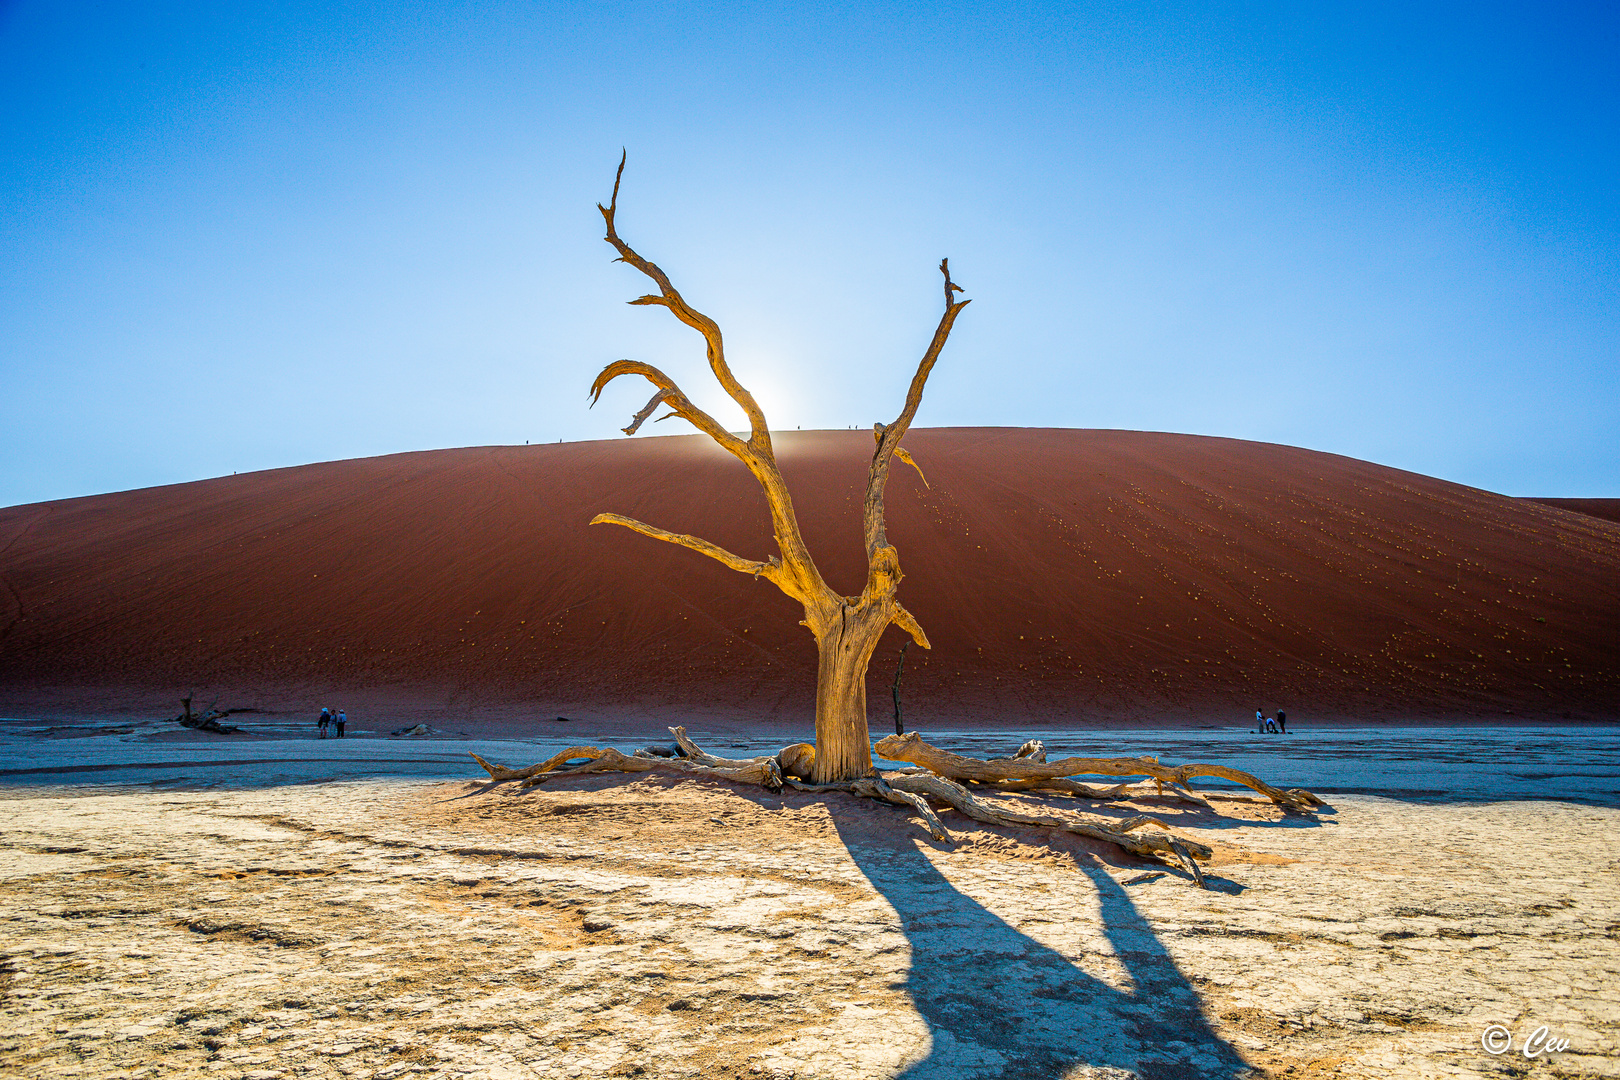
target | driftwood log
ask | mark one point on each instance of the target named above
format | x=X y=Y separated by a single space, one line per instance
x=207 y=720
x=934 y=778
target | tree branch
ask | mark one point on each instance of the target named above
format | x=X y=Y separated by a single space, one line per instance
x=900 y=452
x=906 y=621
x=646 y=411
x=798 y=575
x=889 y=436
x=770 y=570
x=672 y=396
x=671 y=298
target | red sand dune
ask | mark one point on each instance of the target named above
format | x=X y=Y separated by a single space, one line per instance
x=1064 y=576
x=1607 y=509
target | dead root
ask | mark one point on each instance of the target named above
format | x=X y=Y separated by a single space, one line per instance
x=1034 y=767
x=936 y=777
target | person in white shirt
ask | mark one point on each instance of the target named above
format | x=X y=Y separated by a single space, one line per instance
x=342 y=718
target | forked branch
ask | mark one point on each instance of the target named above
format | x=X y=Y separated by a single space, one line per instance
x=889 y=435
x=669 y=394
x=669 y=297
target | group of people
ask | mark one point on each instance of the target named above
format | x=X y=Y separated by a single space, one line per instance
x=1269 y=725
x=330 y=719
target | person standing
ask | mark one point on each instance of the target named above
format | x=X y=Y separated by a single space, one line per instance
x=342 y=718
x=1282 y=721
x=326 y=719
x=1259 y=722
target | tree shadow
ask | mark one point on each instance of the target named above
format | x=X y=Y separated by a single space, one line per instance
x=1001 y=1005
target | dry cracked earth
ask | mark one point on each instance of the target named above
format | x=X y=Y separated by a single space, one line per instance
x=661 y=929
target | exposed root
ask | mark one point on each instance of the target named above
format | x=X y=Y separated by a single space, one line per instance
x=762 y=772
x=874 y=787
x=935 y=776
x=910 y=747
x=1151 y=845
x=695 y=753
x=501 y=772
x=1186 y=857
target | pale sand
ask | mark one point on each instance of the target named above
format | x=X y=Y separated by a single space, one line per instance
x=687 y=930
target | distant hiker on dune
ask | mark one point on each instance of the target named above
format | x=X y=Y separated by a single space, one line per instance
x=342 y=718
x=326 y=718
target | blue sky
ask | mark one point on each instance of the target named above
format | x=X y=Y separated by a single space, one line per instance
x=239 y=237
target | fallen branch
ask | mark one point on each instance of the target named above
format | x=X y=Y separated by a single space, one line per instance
x=873 y=787
x=1062 y=786
x=501 y=772
x=1186 y=857
x=695 y=753
x=910 y=747
x=1152 y=845
x=762 y=772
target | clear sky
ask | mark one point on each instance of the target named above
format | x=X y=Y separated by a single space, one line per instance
x=237 y=237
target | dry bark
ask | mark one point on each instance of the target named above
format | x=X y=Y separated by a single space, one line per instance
x=501 y=772
x=910 y=747
x=846 y=628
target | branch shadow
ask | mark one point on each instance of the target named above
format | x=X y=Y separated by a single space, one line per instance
x=1002 y=1006
x=1180 y=815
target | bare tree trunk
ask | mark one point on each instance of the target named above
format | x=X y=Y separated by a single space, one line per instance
x=843 y=743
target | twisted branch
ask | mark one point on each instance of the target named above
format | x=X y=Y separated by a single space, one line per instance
x=670 y=298
x=1152 y=845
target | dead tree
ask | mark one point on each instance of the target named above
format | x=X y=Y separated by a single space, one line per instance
x=846 y=628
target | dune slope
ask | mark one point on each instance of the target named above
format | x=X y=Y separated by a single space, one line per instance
x=1063 y=576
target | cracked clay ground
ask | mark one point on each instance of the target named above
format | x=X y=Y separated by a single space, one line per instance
x=654 y=929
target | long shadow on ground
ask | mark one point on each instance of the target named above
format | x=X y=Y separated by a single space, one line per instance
x=1001 y=1005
